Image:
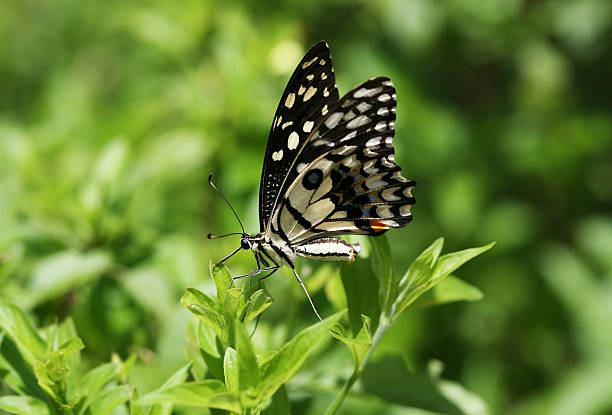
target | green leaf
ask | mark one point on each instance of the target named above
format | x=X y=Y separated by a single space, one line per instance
x=279 y=404
x=109 y=399
x=20 y=374
x=136 y=408
x=23 y=405
x=222 y=279
x=247 y=361
x=290 y=358
x=210 y=350
x=58 y=273
x=231 y=370
x=53 y=371
x=358 y=345
x=195 y=296
x=450 y=289
x=360 y=286
x=212 y=319
x=423 y=280
x=93 y=381
x=203 y=394
x=383 y=269
x=259 y=301
x=421 y=267
x=177 y=378
x=231 y=304
x=18 y=328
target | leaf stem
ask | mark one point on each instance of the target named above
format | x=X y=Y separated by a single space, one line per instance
x=383 y=326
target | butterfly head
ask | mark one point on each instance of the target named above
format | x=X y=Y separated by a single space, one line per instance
x=244 y=242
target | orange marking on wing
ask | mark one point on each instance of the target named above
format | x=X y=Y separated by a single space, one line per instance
x=378 y=225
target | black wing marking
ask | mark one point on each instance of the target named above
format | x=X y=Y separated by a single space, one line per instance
x=311 y=88
x=345 y=180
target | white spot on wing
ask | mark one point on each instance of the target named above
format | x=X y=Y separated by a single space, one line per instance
x=384 y=98
x=333 y=120
x=325 y=92
x=365 y=92
x=277 y=155
x=301 y=90
x=323 y=75
x=405 y=210
x=388 y=195
x=382 y=111
x=307 y=64
x=290 y=100
x=308 y=126
x=293 y=141
x=287 y=124
x=373 y=142
x=324 y=110
x=310 y=77
x=363 y=107
x=380 y=126
x=358 y=122
x=300 y=167
x=311 y=91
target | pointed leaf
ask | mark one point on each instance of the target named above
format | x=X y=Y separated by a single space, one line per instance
x=23 y=405
x=260 y=300
x=290 y=358
x=93 y=381
x=177 y=378
x=383 y=269
x=212 y=319
x=231 y=370
x=135 y=408
x=247 y=361
x=222 y=279
x=208 y=343
x=450 y=289
x=358 y=345
x=109 y=399
x=202 y=394
x=21 y=331
x=195 y=296
x=441 y=269
x=421 y=267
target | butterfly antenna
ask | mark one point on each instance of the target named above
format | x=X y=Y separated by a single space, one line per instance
x=212 y=236
x=228 y=203
x=307 y=295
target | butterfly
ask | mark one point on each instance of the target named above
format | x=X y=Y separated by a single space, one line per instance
x=328 y=170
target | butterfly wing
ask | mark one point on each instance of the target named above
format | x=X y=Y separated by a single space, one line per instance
x=345 y=180
x=310 y=90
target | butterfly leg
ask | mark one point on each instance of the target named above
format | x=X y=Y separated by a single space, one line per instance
x=307 y=295
x=221 y=261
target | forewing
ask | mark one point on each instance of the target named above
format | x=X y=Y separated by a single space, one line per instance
x=311 y=88
x=345 y=179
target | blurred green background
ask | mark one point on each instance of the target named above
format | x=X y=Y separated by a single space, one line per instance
x=113 y=113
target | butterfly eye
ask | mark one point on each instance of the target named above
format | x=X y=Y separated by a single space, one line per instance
x=244 y=244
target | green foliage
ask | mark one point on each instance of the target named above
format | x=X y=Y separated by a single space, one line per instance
x=112 y=115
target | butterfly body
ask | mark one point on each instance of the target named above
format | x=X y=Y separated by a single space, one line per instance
x=329 y=169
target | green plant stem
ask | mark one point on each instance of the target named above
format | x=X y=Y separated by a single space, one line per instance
x=383 y=326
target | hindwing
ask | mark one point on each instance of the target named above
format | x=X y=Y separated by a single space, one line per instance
x=344 y=179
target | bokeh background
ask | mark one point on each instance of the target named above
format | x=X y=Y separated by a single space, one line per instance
x=113 y=113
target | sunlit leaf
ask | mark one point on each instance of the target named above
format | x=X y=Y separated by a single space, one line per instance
x=383 y=269
x=23 y=405
x=280 y=368
x=109 y=399
x=259 y=301
x=202 y=394
x=448 y=290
